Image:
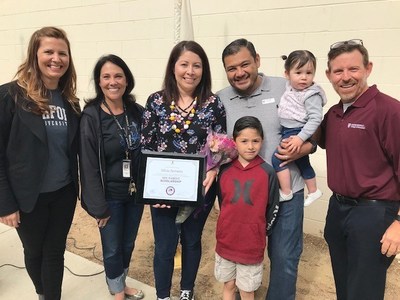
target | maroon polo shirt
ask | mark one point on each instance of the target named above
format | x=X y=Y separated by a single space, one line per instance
x=363 y=147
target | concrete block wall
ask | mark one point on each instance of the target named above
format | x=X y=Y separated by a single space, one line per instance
x=142 y=33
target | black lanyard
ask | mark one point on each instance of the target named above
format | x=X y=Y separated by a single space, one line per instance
x=125 y=131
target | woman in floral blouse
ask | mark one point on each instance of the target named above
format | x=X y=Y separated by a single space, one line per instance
x=178 y=119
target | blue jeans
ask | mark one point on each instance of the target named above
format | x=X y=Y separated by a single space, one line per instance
x=118 y=240
x=285 y=245
x=166 y=237
x=303 y=163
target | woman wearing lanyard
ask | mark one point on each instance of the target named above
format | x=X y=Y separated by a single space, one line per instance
x=110 y=137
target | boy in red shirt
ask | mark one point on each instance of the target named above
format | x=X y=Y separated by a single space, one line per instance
x=248 y=192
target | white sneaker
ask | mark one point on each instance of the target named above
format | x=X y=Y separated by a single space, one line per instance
x=284 y=197
x=312 y=197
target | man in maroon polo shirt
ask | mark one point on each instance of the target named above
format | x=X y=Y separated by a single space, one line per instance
x=361 y=135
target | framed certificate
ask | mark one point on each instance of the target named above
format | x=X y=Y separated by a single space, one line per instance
x=171 y=178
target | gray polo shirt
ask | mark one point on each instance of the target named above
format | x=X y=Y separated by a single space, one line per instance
x=263 y=104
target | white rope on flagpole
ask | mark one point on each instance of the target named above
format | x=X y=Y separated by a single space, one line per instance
x=183 y=21
x=177 y=21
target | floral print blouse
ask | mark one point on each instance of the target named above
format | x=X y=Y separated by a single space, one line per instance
x=158 y=134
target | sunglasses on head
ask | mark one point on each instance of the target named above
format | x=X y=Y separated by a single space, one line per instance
x=352 y=42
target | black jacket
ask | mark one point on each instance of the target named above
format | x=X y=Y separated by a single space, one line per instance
x=24 y=152
x=92 y=159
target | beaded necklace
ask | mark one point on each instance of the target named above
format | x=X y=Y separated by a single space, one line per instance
x=178 y=122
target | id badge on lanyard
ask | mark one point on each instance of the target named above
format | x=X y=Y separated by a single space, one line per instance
x=126 y=168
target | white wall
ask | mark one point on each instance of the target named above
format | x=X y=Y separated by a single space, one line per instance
x=142 y=33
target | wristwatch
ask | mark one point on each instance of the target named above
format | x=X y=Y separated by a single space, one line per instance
x=314 y=145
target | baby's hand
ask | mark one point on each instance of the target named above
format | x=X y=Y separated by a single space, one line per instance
x=294 y=144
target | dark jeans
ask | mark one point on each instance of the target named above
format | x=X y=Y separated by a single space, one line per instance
x=118 y=240
x=43 y=233
x=353 y=234
x=285 y=245
x=166 y=236
x=303 y=163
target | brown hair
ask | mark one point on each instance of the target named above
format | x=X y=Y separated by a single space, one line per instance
x=346 y=47
x=170 y=88
x=298 y=59
x=29 y=79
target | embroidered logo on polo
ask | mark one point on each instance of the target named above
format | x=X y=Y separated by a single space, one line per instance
x=356 y=126
x=246 y=191
x=56 y=116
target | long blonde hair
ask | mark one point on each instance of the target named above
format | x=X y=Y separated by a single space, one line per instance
x=30 y=80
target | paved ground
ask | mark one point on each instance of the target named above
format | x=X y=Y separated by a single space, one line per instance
x=16 y=285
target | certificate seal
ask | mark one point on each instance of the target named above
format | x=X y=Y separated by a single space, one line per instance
x=170 y=190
